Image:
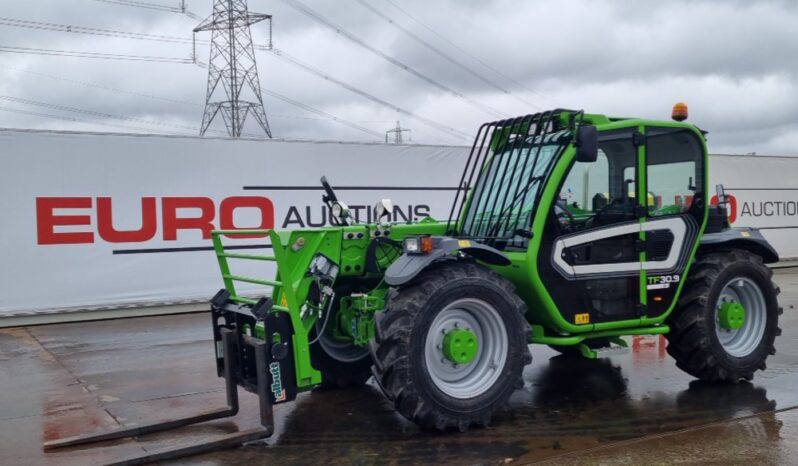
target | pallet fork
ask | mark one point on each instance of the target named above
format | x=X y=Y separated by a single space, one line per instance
x=230 y=342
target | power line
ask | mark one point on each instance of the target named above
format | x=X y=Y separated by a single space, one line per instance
x=463 y=51
x=39 y=25
x=105 y=56
x=96 y=114
x=93 y=31
x=104 y=87
x=306 y=107
x=176 y=39
x=320 y=112
x=441 y=53
x=151 y=6
x=79 y=120
x=154 y=6
x=439 y=126
x=302 y=8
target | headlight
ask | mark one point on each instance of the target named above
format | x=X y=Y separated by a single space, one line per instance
x=340 y=211
x=418 y=245
x=412 y=245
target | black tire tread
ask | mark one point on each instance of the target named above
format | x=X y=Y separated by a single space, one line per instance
x=391 y=364
x=689 y=340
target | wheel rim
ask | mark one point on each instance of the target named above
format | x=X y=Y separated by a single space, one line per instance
x=474 y=378
x=742 y=341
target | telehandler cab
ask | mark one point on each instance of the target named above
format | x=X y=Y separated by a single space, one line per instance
x=569 y=229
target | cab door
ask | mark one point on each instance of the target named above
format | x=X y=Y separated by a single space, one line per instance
x=590 y=259
x=675 y=200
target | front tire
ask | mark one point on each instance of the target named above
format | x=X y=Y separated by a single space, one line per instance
x=714 y=344
x=413 y=362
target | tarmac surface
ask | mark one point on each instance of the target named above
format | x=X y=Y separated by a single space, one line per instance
x=632 y=409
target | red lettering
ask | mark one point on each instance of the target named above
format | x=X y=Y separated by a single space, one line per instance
x=47 y=220
x=732 y=209
x=105 y=222
x=171 y=222
x=230 y=204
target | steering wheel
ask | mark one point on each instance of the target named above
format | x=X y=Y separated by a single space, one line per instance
x=618 y=205
x=561 y=211
x=330 y=196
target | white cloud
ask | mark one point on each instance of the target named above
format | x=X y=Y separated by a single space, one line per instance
x=732 y=61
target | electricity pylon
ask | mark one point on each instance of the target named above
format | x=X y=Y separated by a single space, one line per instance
x=232 y=63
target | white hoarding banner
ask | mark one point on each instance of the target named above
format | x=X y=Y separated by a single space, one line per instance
x=102 y=219
x=763 y=193
x=93 y=220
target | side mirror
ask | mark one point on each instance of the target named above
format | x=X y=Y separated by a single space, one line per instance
x=586 y=144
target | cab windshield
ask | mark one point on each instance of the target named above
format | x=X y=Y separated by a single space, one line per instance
x=507 y=189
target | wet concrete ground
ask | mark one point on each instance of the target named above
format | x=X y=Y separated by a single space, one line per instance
x=633 y=409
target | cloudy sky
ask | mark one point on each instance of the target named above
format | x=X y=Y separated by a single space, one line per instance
x=734 y=62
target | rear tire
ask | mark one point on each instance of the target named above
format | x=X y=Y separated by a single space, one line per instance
x=700 y=344
x=424 y=386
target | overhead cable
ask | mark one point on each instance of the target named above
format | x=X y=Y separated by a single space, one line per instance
x=80 y=120
x=304 y=9
x=153 y=6
x=441 y=53
x=439 y=126
x=68 y=28
x=306 y=107
x=466 y=52
x=320 y=112
x=104 y=56
x=97 y=114
x=93 y=31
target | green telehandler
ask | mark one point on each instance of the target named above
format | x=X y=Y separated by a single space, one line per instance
x=568 y=229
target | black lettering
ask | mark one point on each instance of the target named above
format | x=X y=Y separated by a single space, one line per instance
x=767 y=212
x=355 y=209
x=397 y=212
x=421 y=211
x=791 y=208
x=293 y=211
x=746 y=210
x=309 y=216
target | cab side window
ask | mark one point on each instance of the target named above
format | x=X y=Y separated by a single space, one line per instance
x=600 y=193
x=586 y=189
x=675 y=171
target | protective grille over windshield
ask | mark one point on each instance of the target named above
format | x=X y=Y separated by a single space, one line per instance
x=506 y=168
